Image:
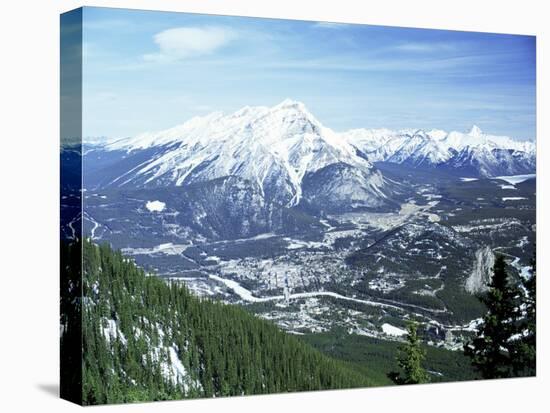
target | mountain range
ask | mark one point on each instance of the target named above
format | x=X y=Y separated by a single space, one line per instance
x=473 y=153
x=264 y=169
x=283 y=154
x=277 y=148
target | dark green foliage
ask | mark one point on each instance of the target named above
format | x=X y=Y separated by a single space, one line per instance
x=410 y=357
x=524 y=350
x=374 y=357
x=491 y=350
x=224 y=349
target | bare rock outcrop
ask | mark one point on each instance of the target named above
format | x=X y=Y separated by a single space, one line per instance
x=482 y=271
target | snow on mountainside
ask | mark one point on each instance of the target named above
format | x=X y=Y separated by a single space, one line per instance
x=473 y=152
x=274 y=149
x=286 y=156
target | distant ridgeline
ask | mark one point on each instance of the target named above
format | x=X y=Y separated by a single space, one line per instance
x=145 y=339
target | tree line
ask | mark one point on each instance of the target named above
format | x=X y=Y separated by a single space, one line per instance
x=139 y=330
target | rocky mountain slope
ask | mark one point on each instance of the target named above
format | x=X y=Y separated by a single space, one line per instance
x=474 y=153
x=274 y=150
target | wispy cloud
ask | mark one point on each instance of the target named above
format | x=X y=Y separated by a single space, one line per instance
x=441 y=66
x=185 y=42
x=425 y=47
x=329 y=25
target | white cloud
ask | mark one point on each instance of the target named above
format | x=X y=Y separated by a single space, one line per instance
x=330 y=25
x=418 y=47
x=184 y=42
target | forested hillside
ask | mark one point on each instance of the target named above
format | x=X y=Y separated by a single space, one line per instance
x=144 y=339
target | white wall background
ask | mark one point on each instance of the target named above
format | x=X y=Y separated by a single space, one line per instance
x=29 y=129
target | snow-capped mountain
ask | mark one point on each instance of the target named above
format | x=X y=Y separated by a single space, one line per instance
x=474 y=152
x=283 y=152
x=264 y=169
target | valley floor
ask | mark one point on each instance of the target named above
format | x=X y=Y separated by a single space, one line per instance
x=365 y=273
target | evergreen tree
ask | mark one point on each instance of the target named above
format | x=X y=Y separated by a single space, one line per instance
x=491 y=350
x=409 y=359
x=137 y=329
x=525 y=348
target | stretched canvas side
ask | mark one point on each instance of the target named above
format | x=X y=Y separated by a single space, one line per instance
x=70 y=234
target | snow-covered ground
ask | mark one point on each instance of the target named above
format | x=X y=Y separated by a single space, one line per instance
x=392 y=330
x=155 y=206
x=524 y=270
x=523 y=242
x=111 y=331
x=164 y=249
x=294 y=244
x=513 y=198
x=243 y=292
x=386 y=282
x=201 y=287
x=330 y=237
x=515 y=179
x=388 y=220
x=487 y=225
x=470 y=326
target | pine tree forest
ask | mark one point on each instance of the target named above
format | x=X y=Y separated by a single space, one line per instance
x=145 y=339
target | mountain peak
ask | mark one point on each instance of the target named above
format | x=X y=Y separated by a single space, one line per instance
x=291 y=104
x=475 y=131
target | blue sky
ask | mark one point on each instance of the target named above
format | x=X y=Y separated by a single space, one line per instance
x=148 y=71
